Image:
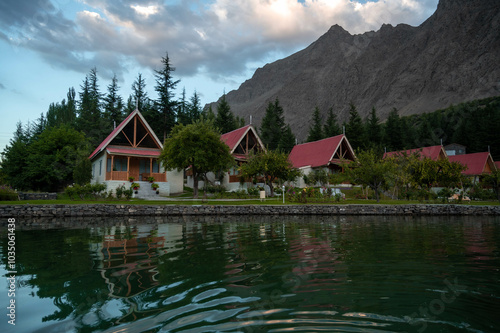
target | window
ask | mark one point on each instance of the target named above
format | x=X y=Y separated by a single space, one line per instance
x=100 y=167
x=156 y=167
x=108 y=165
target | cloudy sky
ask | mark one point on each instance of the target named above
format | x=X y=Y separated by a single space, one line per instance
x=48 y=46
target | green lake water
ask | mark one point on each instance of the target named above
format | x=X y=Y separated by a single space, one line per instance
x=241 y=274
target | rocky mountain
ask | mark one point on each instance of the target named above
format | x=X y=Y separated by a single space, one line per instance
x=454 y=56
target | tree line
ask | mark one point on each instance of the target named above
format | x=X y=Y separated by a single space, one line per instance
x=474 y=124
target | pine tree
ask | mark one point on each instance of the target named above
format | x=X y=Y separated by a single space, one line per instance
x=113 y=107
x=287 y=140
x=90 y=117
x=331 y=127
x=373 y=129
x=140 y=96
x=225 y=120
x=393 y=133
x=165 y=104
x=355 y=129
x=182 y=110
x=273 y=125
x=315 y=130
x=194 y=107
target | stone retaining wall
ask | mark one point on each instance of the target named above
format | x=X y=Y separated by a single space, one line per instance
x=37 y=196
x=103 y=210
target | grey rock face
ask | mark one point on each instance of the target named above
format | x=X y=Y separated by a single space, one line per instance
x=454 y=56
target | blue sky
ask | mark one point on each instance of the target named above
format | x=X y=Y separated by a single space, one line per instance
x=48 y=46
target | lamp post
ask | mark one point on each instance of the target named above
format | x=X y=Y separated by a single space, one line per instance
x=283 y=194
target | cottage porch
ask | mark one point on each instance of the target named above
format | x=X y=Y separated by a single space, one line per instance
x=122 y=167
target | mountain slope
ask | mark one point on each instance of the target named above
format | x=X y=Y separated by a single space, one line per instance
x=452 y=57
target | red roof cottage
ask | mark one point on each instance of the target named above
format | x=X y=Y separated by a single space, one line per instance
x=241 y=143
x=434 y=152
x=327 y=153
x=477 y=164
x=132 y=150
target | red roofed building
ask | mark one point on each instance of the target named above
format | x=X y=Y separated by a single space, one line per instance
x=435 y=152
x=327 y=153
x=241 y=143
x=477 y=164
x=132 y=150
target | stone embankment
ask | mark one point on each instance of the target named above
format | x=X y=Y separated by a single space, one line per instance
x=112 y=210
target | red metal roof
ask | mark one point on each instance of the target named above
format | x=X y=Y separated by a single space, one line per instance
x=317 y=153
x=120 y=127
x=432 y=152
x=476 y=163
x=233 y=138
x=134 y=151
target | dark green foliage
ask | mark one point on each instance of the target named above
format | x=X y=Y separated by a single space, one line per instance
x=287 y=140
x=355 y=130
x=52 y=158
x=8 y=194
x=393 y=132
x=331 y=127
x=113 y=105
x=373 y=129
x=225 y=121
x=274 y=133
x=166 y=105
x=315 y=130
x=14 y=160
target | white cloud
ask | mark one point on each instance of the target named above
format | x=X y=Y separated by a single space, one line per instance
x=219 y=38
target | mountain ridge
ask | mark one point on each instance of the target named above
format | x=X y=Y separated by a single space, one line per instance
x=450 y=58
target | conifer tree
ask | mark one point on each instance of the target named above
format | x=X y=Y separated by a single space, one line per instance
x=194 y=107
x=315 y=130
x=90 y=116
x=165 y=104
x=273 y=125
x=287 y=140
x=331 y=127
x=393 y=133
x=373 y=129
x=140 y=96
x=224 y=120
x=355 y=129
x=113 y=104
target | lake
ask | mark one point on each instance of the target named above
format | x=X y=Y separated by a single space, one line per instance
x=254 y=274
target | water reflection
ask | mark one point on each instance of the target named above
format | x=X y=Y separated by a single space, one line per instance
x=356 y=274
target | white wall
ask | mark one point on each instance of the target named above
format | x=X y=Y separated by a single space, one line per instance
x=99 y=169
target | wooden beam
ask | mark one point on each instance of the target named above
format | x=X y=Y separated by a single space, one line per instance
x=143 y=138
x=135 y=132
x=126 y=137
x=112 y=165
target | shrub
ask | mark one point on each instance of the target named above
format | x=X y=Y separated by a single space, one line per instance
x=8 y=194
x=253 y=191
x=209 y=188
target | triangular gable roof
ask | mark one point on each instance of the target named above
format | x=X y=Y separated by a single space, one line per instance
x=233 y=139
x=477 y=163
x=120 y=127
x=433 y=152
x=497 y=164
x=317 y=153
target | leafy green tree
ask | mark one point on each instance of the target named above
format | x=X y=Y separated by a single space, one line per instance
x=272 y=165
x=331 y=127
x=273 y=125
x=166 y=104
x=315 y=130
x=355 y=129
x=197 y=145
x=113 y=104
x=52 y=158
x=493 y=180
x=287 y=140
x=225 y=120
x=369 y=169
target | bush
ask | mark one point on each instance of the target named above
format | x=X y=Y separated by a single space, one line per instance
x=253 y=191
x=94 y=191
x=209 y=188
x=8 y=194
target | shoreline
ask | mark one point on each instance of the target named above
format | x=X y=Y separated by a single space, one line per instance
x=117 y=210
